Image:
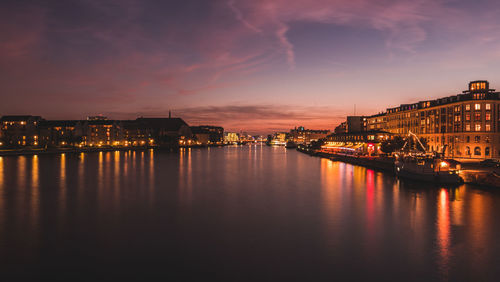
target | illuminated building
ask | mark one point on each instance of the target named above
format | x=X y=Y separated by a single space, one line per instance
x=352 y=124
x=300 y=135
x=57 y=133
x=165 y=132
x=231 y=138
x=206 y=134
x=20 y=131
x=462 y=126
x=101 y=132
x=355 y=124
x=376 y=122
x=362 y=142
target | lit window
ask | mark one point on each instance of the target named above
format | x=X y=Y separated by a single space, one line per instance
x=467 y=127
x=488 y=116
x=488 y=106
x=478 y=127
x=487 y=127
x=477 y=107
x=467 y=107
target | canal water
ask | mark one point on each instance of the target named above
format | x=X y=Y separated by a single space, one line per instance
x=247 y=213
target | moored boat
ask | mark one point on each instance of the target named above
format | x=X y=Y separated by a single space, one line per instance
x=428 y=169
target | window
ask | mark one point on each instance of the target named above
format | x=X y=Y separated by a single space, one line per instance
x=477 y=139
x=477 y=116
x=477 y=107
x=467 y=150
x=467 y=117
x=467 y=107
x=487 y=151
x=467 y=139
x=477 y=151
x=478 y=127
x=488 y=116
x=487 y=127
x=467 y=127
x=487 y=106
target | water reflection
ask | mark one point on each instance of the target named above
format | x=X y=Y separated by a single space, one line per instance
x=62 y=186
x=443 y=232
x=255 y=207
x=185 y=176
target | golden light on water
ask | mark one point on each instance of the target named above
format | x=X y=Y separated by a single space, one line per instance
x=443 y=231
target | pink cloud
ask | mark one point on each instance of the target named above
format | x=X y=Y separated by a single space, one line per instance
x=403 y=21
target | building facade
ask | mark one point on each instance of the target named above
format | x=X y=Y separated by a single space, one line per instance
x=361 y=142
x=101 y=132
x=300 y=135
x=60 y=133
x=208 y=135
x=20 y=131
x=463 y=126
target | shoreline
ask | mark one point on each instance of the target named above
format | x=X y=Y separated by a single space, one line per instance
x=30 y=152
x=470 y=176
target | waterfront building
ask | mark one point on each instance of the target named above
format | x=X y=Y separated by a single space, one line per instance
x=355 y=124
x=101 y=132
x=279 y=138
x=462 y=126
x=352 y=124
x=362 y=142
x=20 y=130
x=231 y=138
x=246 y=138
x=165 y=132
x=134 y=135
x=300 y=135
x=60 y=133
x=208 y=135
x=376 y=122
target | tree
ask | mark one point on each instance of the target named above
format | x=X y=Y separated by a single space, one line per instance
x=317 y=144
x=391 y=145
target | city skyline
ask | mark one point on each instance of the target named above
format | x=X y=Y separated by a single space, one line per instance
x=256 y=66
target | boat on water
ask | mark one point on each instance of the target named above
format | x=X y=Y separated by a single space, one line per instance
x=290 y=145
x=426 y=166
x=428 y=169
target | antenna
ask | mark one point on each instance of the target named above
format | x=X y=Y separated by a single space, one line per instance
x=354 y=109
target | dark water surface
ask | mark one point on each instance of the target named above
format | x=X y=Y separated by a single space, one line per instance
x=251 y=213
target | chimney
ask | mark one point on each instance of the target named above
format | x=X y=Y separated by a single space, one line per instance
x=169 y=114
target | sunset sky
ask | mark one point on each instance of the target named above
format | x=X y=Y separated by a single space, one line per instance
x=250 y=65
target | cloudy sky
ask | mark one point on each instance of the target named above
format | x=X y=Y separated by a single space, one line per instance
x=251 y=65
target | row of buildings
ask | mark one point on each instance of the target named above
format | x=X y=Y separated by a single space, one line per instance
x=34 y=131
x=298 y=135
x=462 y=126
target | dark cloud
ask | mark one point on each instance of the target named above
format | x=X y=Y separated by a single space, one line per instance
x=250 y=118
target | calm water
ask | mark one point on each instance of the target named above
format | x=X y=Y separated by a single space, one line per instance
x=236 y=213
